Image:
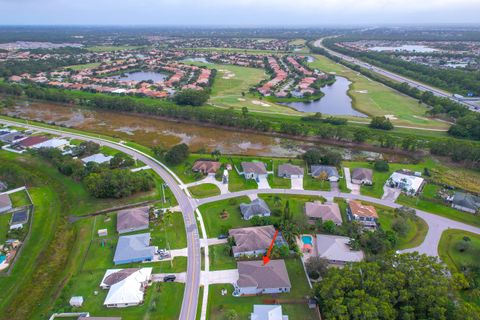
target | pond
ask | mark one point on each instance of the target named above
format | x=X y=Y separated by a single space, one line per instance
x=406 y=47
x=335 y=101
x=142 y=76
x=198 y=59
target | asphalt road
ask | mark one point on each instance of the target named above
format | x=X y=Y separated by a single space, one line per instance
x=436 y=224
x=186 y=204
x=420 y=86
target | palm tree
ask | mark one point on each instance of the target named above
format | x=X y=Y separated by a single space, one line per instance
x=277 y=201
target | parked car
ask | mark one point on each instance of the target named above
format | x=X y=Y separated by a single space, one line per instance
x=169 y=278
x=222 y=236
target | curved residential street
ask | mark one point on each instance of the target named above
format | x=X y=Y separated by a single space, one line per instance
x=393 y=76
x=436 y=224
x=189 y=207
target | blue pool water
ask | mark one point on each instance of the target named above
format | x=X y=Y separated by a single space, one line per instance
x=307 y=240
x=2 y=258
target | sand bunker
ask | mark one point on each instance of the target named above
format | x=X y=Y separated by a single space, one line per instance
x=241 y=99
x=361 y=91
x=260 y=103
x=227 y=74
x=390 y=117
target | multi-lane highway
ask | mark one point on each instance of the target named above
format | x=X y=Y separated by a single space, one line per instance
x=192 y=285
x=393 y=76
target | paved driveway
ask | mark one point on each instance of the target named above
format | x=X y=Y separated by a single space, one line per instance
x=390 y=194
x=158 y=277
x=297 y=183
x=219 y=277
x=355 y=188
x=263 y=183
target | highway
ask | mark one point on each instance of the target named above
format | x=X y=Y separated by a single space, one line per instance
x=190 y=297
x=393 y=76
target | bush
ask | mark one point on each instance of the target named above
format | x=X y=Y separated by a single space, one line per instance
x=381 y=165
x=177 y=154
x=382 y=123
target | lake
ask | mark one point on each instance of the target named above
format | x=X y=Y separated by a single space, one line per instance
x=142 y=76
x=406 y=47
x=335 y=101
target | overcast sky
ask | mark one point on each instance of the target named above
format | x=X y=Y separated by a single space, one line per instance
x=238 y=12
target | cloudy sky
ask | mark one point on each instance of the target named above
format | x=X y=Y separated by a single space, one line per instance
x=238 y=12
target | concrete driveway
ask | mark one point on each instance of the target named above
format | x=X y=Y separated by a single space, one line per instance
x=158 y=277
x=263 y=183
x=355 y=188
x=390 y=194
x=297 y=183
x=219 y=277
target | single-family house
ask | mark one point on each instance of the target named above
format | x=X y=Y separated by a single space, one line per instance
x=257 y=207
x=466 y=202
x=257 y=278
x=97 y=158
x=407 y=181
x=5 y=203
x=254 y=170
x=51 y=143
x=362 y=176
x=267 y=312
x=126 y=287
x=290 y=171
x=12 y=137
x=133 y=219
x=317 y=210
x=32 y=141
x=254 y=240
x=206 y=167
x=133 y=248
x=365 y=214
x=331 y=173
x=336 y=249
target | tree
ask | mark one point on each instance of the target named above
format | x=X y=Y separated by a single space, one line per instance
x=191 y=97
x=382 y=123
x=88 y=148
x=360 y=135
x=400 y=225
x=216 y=154
x=381 y=166
x=121 y=160
x=316 y=267
x=177 y=154
x=406 y=286
x=244 y=112
x=231 y=315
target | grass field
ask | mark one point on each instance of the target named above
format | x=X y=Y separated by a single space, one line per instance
x=78 y=67
x=19 y=199
x=112 y=48
x=219 y=257
x=204 y=190
x=218 y=304
x=457 y=260
x=231 y=81
x=375 y=99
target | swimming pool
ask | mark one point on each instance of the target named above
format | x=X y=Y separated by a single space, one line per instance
x=307 y=240
x=2 y=258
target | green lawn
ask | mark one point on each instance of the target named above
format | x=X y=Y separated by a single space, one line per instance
x=218 y=304
x=215 y=224
x=4 y=226
x=310 y=183
x=20 y=199
x=204 y=190
x=78 y=67
x=417 y=232
x=220 y=259
x=375 y=99
x=457 y=260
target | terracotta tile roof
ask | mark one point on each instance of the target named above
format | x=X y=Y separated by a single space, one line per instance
x=361 y=210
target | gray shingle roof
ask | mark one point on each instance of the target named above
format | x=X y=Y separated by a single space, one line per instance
x=254 y=238
x=255 y=274
x=325 y=211
x=134 y=218
x=132 y=247
x=466 y=200
x=362 y=174
x=254 y=208
x=287 y=170
x=5 y=201
x=331 y=171
x=254 y=167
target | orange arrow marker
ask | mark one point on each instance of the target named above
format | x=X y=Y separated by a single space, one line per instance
x=266 y=258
